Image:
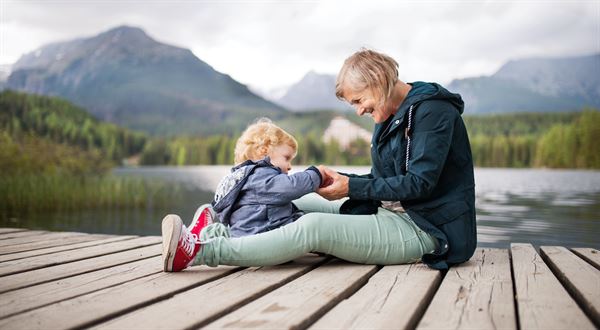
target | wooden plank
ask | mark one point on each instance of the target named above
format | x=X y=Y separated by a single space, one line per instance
x=22 y=265
x=17 y=281
x=74 y=246
x=225 y=294
x=590 y=255
x=302 y=301
x=101 y=305
x=27 y=233
x=36 y=296
x=38 y=245
x=581 y=279
x=11 y=230
x=477 y=294
x=382 y=303
x=43 y=237
x=542 y=302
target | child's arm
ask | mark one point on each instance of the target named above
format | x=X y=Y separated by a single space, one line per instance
x=282 y=188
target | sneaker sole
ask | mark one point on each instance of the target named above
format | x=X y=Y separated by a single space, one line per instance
x=171 y=231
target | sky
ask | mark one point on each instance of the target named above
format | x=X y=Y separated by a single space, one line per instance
x=270 y=44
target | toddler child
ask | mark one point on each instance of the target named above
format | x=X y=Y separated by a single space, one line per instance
x=255 y=197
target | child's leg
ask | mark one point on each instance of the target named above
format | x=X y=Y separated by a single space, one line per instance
x=313 y=202
x=385 y=238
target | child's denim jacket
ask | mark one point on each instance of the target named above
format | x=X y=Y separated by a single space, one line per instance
x=257 y=197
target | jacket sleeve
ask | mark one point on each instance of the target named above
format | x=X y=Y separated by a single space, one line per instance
x=282 y=188
x=363 y=176
x=430 y=145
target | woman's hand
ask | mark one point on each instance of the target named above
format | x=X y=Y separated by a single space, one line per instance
x=326 y=180
x=338 y=188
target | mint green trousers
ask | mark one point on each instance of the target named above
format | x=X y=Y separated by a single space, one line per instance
x=385 y=238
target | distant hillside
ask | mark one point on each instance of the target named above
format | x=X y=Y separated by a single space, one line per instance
x=60 y=122
x=534 y=85
x=126 y=77
x=314 y=91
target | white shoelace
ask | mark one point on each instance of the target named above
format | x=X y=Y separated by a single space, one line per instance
x=188 y=241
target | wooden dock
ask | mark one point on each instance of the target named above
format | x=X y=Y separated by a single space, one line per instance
x=51 y=280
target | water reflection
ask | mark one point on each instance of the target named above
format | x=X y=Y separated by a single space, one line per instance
x=542 y=207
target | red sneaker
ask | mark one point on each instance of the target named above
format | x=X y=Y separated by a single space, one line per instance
x=179 y=245
x=204 y=216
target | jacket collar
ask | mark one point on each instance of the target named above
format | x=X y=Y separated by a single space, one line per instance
x=266 y=161
x=419 y=92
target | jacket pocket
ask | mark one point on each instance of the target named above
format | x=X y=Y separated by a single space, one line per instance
x=447 y=213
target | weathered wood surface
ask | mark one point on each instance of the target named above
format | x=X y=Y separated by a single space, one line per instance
x=590 y=255
x=225 y=295
x=11 y=230
x=47 y=274
x=300 y=302
x=21 y=265
x=581 y=279
x=475 y=295
x=117 y=283
x=8 y=238
x=32 y=297
x=70 y=245
x=543 y=303
x=55 y=241
x=394 y=298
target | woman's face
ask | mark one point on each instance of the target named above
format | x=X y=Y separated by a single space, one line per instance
x=367 y=103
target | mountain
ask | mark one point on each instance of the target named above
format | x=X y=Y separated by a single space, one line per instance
x=314 y=91
x=126 y=77
x=4 y=73
x=534 y=85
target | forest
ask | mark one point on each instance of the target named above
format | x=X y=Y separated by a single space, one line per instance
x=40 y=134
x=55 y=156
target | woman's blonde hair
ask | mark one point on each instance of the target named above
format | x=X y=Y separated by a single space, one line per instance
x=258 y=139
x=368 y=69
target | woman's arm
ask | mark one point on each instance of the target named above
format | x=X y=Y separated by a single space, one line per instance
x=431 y=140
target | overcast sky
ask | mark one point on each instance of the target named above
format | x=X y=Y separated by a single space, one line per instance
x=267 y=44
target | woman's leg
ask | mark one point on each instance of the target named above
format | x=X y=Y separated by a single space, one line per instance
x=313 y=202
x=384 y=238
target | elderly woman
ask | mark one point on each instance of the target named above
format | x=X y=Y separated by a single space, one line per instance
x=416 y=204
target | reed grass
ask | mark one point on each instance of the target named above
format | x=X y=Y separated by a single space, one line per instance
x=22 y=194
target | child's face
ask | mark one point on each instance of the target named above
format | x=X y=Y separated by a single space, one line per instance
x=281 y=156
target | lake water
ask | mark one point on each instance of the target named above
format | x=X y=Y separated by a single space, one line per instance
x=538 y=206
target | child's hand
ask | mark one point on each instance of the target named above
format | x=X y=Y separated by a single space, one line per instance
x=326 y=179
x=336 y=189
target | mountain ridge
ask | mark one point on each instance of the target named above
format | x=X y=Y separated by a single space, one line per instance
x=534 y=85
x=540 y=84
x=315 y=91
x=124 y=76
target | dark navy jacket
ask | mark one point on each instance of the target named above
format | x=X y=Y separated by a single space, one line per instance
x=438 y=190
x=257 y=197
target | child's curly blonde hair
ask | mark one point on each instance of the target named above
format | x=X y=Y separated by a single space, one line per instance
x=258 y=139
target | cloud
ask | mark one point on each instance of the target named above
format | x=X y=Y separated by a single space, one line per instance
x=270 y=43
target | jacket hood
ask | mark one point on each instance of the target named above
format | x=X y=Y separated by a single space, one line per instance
x=422 y=91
